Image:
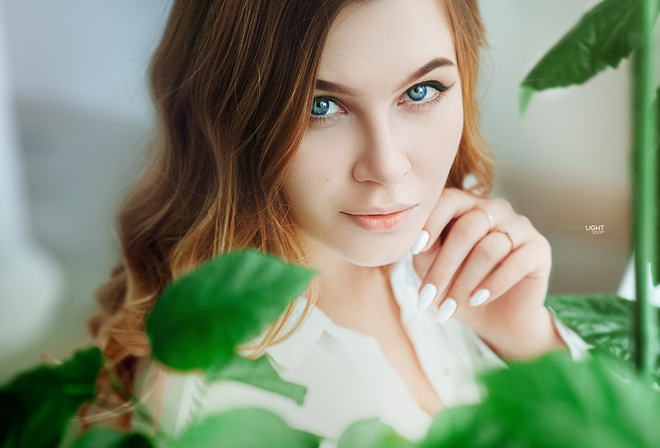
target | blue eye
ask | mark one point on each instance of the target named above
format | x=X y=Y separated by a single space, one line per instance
x=417 y=93
x=324 y=106
x=424 y=91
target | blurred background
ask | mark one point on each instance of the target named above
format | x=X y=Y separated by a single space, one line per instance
x=75 y=118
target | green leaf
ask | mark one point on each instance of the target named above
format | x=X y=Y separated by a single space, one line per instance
x=110 y=438
x=245 y=428
x=257 y=372
x=202 y=316
x=553 y=402
x=37 y=405
x=602 y=320
x=456 y=428
x=556 y=402
x=603 y=37
x=372 y=433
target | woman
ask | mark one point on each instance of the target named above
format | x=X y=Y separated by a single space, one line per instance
x=340 y=135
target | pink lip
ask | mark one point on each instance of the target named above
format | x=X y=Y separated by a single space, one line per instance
x=379 y=222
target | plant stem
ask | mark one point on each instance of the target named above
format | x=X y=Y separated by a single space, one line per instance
x=645 y=187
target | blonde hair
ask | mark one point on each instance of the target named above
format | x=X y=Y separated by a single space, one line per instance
x=232 y=82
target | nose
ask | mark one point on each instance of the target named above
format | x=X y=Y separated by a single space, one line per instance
x=382 y=158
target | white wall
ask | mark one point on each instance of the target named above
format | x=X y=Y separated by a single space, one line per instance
x=567 y=161
x=84 y=53
x=73 y=109
x=30 y=279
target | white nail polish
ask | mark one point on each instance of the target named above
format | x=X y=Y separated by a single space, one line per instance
x=446 y=310
x=479 y=297
x=426 y=296
x=420 y=243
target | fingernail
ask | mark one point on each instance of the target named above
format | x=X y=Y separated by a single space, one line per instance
x=479 y=297
x=446 y=310
x=426 y=296
x=420 y=243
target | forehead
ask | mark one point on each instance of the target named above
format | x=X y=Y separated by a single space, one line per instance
x=383 y=41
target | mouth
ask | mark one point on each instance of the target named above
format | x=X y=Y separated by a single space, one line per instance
x=380 y=220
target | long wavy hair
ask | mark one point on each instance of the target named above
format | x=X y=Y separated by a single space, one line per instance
x=232 y=82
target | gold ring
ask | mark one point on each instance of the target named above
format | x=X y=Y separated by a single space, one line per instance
x=508 y=235
x=491 y=221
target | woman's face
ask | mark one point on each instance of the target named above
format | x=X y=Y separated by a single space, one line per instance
x=384 y=129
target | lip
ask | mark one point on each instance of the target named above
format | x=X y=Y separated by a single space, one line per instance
x=380 y=219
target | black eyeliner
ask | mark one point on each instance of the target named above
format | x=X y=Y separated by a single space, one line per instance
x=435 y=84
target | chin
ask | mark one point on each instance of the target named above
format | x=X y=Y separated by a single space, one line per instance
x=374 y=252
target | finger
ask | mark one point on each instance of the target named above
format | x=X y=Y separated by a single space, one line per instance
x=464 y=235
x=454 y=203
x=484 y=258
x=530 y=260
x=519 y=232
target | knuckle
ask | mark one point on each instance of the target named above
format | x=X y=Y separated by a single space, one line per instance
x=441 y=268
x=545 y=244
x=450 y=194
x=524 y=220
x=540 y=244
x=502 y=204
x=462 y=230
x=519 y=264
x=498 y=202
x=487 y=250
x=497 y=284
x=545 y=248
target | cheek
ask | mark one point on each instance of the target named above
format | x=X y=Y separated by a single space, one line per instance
x=321 y=165
x=311 y=181
x=435 y=149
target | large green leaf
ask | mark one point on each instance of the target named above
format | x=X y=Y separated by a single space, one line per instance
x=372 y=433
x=602 y=38
x=476 y=426
x=202 y=316
x=245 y=428
x=556 y=402
x=110 y=438
x=257 y=372
x=553 y=402
x=36 y=406
x=602 y=320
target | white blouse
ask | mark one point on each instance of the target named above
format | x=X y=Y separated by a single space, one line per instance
x=347 y=375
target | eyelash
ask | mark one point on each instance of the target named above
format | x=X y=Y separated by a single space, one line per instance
x=441 y=90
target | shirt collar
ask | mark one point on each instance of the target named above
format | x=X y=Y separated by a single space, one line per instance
x=290 y=352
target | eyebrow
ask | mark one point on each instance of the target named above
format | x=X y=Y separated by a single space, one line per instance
x=328 y=86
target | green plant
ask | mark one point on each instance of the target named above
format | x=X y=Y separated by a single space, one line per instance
x=199 y=322
x=203 y=316
x=36 y=405
x=543 y=393
x=525 y=404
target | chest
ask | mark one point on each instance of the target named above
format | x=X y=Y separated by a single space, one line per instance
x=400 y=380
x=381 y=320
x=399 y=351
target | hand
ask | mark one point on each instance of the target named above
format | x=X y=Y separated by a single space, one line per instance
x=488 y=267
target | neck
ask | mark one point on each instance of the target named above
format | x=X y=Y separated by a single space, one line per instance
x=352 y=295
